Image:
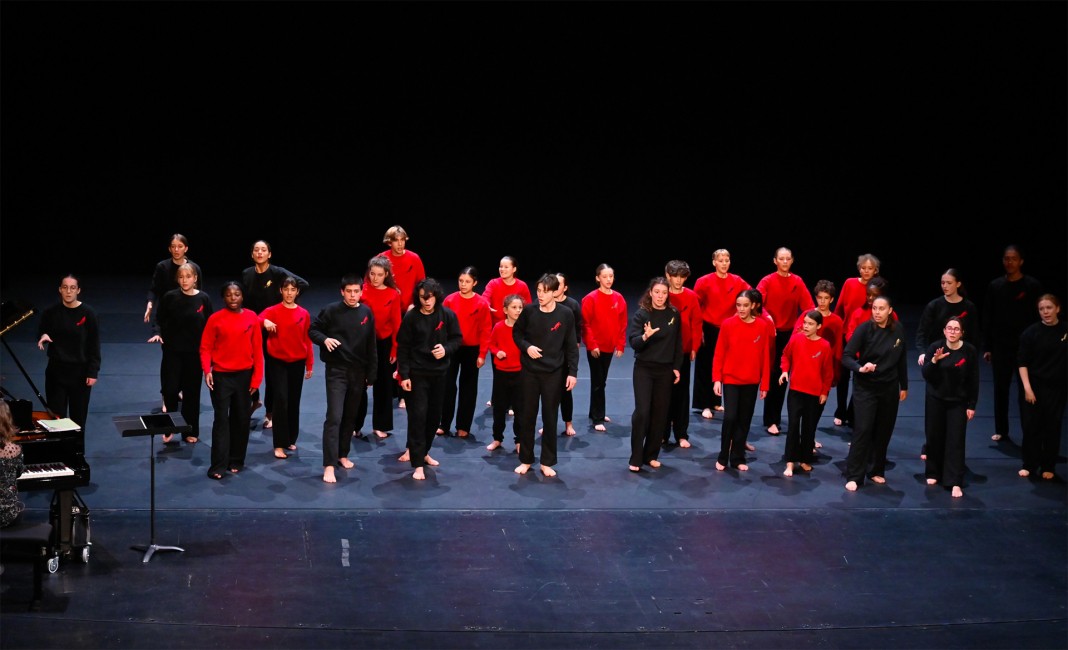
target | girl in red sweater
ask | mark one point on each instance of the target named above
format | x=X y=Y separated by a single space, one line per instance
x=289 y=362
x=473 y=312
x=807 y=363
x=506 y=368
x=604 y=330
x=381 y=294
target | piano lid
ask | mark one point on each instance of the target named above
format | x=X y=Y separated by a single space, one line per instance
x=13 y=312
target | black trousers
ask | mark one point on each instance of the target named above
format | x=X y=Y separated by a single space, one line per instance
x=598 y=383
x=944 y=425
x=461 y=382
x=703 y=395
x=546 y=388
x=181 y=373
x=233 y=415
x=1042 y=422
x=678 y=417
x=875 y=408
x=652 y=398
x=803 y=414
x=777 y=392
x=505 y=392
x=1005 y=370
x=382 y=393
x=287 y=382
x=344 y=387
x=424 y=412
x=66 y=391
x=739 y=405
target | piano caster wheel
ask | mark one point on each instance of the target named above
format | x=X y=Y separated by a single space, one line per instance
x=85 y=555
x=53 y=564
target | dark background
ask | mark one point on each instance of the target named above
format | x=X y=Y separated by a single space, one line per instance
x=565 y=134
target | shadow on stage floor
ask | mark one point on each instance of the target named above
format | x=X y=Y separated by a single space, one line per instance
x=479 y=557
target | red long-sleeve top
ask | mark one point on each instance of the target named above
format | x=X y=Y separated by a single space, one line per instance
x=854 y=294
x=689 y=306
x=833 y=331
x=496 y=291
x=407 y=272
x=386 y=304
x=785 y=298
x=501 y=339
x=717 y=296
x=475 y=321
x=604 y=321
x=232 y=342
x=809 y=363
x=289 y=342
x=741 y=356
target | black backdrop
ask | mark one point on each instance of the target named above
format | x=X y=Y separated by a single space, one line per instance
x=565 y=134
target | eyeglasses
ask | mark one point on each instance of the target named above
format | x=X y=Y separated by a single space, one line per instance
x=952 y=329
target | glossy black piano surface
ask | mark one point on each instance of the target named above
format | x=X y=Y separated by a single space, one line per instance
x=66 y=447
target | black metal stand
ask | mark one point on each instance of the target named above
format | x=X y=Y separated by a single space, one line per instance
x=151 y=426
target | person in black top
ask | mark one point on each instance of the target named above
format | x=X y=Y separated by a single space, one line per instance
x=876 y=355
x=548 y=350
x=181 y=317
x=567 y=398
x=1008 y=308
x=345 y=333
x=951 y=368
x=1043 y=359
x=72 y=332
x=655 y=335
x=426 y=342
x=261 y=283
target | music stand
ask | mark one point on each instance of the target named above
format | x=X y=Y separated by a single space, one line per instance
x=153 y=425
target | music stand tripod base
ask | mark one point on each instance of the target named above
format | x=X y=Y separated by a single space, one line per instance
x=152 y=426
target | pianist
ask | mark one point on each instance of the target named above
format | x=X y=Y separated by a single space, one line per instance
x=10 y=468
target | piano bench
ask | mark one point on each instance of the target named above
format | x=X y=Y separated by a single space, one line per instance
x=28 y=542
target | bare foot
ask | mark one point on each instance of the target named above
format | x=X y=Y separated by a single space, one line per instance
x=742 y=467
x=328 y=475
x=838 y=422
x=996 y=437
x=400 y=404
x=719 y=466
x=717 y=408
x=1024 y=473
x=430 y=461
x=440 y=432
x=280 y=453
x=541 y=431
x=346 y=463
x=923 y=456
x=460 y=433
x=634 y=468
x=819 y=445
x=1047 y=476
x=292 y=447
x=684 y=443
x=707 y=414
x=405 y=457
x=522 y=469
x=493 y=445
x=548 y=471
x=511 y=412
x=568 y=429
x=878 y=479
x=773 y=430
x=190 y=440
x=654 y=463
x=931 y=481
x=749 y=447
x=167 y=437
x=851 y=486
x=607 y=419
x=957 y=492
x=805 y=467
x=599 y=427
x=418 y=474
x=789 y=471
x=381 y=434
x=490 y=403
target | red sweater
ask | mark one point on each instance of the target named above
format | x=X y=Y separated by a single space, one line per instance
x=689 y=307
x=741 y=356
x=290 y=342
x=833 y=331
x=604 y=321
x=475 y=321
x=717 y=296
x=501 y=339
x=785 y=298
x=231 y=342
x=854 y=294
x=407 y=272
x=496 y=291
x=809 y=364
x=386 y=305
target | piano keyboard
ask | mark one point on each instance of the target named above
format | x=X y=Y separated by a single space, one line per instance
x=46 y=470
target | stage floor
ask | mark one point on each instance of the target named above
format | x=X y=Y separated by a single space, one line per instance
x=477 y=556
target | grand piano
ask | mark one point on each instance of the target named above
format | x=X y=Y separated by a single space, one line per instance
x=54 y=460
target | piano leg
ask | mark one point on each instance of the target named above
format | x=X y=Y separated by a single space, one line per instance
x=63 y=521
